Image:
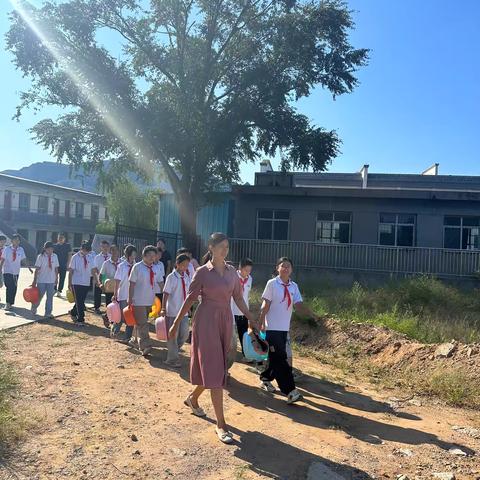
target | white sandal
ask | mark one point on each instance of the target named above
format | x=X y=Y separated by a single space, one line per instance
x=198 y=412
x=223 y=435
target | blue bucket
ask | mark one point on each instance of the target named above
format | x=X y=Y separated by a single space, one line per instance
x=249 y=351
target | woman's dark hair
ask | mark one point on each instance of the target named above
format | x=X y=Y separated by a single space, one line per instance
x=214 y=240
x=245 y=262
x=279 y=262
x=148 y=249
x=181 y=258
x=2 y=237
x=129 y=249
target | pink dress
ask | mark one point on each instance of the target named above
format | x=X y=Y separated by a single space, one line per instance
x=212 y=324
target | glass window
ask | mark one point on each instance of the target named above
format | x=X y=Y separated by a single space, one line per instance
x=40 y=240
x=273 y=224
x=24 y=202
x=94 y=214
x=42 y=205
x=67 y=208
x=333 y=227
x=461 y=233
x=77 y=240
x=397 y=229
x=79 y=209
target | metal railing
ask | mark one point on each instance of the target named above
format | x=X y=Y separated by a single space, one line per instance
x=373 y=258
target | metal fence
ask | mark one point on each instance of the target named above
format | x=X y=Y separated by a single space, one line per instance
x=141 y=237
x=373 y=258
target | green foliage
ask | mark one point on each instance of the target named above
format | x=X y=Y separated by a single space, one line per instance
x=10 y=423
x=422 y=308
x=199 y=87
x=128 y=205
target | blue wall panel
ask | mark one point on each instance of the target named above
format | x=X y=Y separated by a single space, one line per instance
x=211 y=218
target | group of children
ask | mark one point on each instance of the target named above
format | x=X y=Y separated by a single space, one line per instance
x=136 y=284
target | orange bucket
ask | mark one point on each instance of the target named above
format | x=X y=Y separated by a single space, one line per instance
x=31 y=295
x=129 y=316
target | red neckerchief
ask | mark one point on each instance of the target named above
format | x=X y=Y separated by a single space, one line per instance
x=105 y=256
x=286 y=294
x=184 y=288
x=49 y=262
x=115 y=264
x=14 y=253
x=152 y=274
x=85 y=261
x=243 y=282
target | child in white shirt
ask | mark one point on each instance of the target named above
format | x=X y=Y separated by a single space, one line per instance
x=45 y=278
x=3 y=240
x=10 y=263
x=241 y=323
x=141 y=295
x=121 y=290
x=174 y=294
x=102 y=257
x=80 y=272
x=280 y=296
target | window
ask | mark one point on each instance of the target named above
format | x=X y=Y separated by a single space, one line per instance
x=24 y=202
x=67 y=208
x=41 y=239
x=273 y=224
x=94 y=214
x=54 y=237
x=79 y=209
x=397 y=229
x=56 y=207
x=461 y=233
x=333 y=227
x=77 y=239
x=23 y=233
x=42 y=205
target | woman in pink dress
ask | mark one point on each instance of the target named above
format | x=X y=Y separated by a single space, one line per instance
x=216 y=283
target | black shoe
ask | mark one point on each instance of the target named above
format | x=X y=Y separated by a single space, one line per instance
x=97 y=311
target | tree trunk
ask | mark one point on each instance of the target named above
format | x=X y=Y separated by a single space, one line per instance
x=188 y=223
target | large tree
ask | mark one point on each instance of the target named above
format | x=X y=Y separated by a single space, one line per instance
x=197 y=87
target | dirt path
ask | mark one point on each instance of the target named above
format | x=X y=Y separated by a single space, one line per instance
x=89 y=396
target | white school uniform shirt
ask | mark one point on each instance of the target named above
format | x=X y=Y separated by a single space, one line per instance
x=100 y=259
x=122 y=274
x=280 y=313
x=144 y=291
x=81 y=273
x=176 y=294
x=246 y=287
x=11 y=266
x=160 y=273
x=45 y=273
x=109 y=268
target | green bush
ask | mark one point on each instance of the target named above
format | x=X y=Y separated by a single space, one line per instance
x=422 y=308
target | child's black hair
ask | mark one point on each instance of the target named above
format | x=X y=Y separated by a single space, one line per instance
x=105 y=242
x=86 y=246
x=245 y=262
x=183 y=250
x=181 y=258
x=16 y=236
x=129 y=249
x=148 y=249
x=3 y=237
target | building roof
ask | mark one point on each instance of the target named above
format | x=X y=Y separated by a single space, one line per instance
x=49 y=185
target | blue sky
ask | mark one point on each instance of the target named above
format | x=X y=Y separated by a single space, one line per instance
x=418 y=101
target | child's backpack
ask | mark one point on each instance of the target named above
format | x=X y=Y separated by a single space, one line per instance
x=161 y=328
x=254 y=346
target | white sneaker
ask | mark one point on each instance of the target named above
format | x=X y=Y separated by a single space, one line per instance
x=294 y=396
x=267 y=386
x=58 y=294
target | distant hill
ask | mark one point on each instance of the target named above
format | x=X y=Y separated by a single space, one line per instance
x=60 y=174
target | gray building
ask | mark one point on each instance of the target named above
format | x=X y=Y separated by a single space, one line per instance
x=398 y=210
x=38 y=211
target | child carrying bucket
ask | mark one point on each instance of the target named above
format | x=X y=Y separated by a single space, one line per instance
x=121 y=291
x=174 y=294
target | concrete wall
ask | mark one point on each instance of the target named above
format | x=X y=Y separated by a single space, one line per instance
x=365 y=215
